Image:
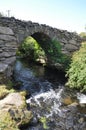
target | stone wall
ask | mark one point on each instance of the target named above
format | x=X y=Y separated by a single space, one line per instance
x=8 y=46
x=13 y=32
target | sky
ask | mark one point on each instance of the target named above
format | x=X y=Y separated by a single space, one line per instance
x=67 y=15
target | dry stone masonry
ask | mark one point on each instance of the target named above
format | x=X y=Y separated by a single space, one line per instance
x=8 y=46
x=13 y=32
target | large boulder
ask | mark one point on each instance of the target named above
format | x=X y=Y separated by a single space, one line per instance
x=13 y=111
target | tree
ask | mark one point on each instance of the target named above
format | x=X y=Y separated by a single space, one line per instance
x=83 y=34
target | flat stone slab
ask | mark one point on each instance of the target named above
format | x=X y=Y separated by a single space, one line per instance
x=6 y=30
x=13 y=99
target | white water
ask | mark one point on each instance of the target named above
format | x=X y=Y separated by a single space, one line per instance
x=51 y=98
x=81 y=98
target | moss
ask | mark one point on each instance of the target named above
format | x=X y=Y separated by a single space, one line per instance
x=20 y=116
x=9 y=84
x=6 y=122
x=43 y=120
x=23 y=94
x=14 y=118
x=25 y=117
x=4 y=91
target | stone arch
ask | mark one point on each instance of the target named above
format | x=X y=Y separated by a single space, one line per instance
x=44 y=41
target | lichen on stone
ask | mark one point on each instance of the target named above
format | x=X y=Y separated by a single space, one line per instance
x=3 y=91
x=6 y=121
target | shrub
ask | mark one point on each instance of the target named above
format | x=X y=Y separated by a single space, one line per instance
x=77 y=70
x=83 y=34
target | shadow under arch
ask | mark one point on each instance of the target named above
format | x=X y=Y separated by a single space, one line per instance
x=45 y=42
x=43 y=39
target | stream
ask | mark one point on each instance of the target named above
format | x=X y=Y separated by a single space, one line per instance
x=54 y=106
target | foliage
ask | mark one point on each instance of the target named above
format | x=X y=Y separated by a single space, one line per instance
x=57 y=56
x=43 y=120
x=31 y=49
x=83 y=34
x=77 y=70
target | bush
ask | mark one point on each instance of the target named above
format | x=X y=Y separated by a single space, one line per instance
x=83 y=34
x=77 y=70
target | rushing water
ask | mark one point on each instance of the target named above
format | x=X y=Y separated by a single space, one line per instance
x=54 y=107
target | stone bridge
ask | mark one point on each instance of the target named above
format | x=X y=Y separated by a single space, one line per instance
x=14 y=31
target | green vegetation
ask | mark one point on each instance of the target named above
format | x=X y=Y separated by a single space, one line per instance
x=77 y=71
x=57 y=56
x=31 y=49
x=43 y=120
x=6 y=121
x=83 y=34
x=4 y=91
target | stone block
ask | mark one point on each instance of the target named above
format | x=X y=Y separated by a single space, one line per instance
x=6 y=30
x=7 y=38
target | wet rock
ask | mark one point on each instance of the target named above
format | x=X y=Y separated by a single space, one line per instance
x=34 y=121
x=81 y=120
x=67 y=100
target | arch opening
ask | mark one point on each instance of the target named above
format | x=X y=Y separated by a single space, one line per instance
x=41 y=48
x=31 y=49
x=45 y=43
